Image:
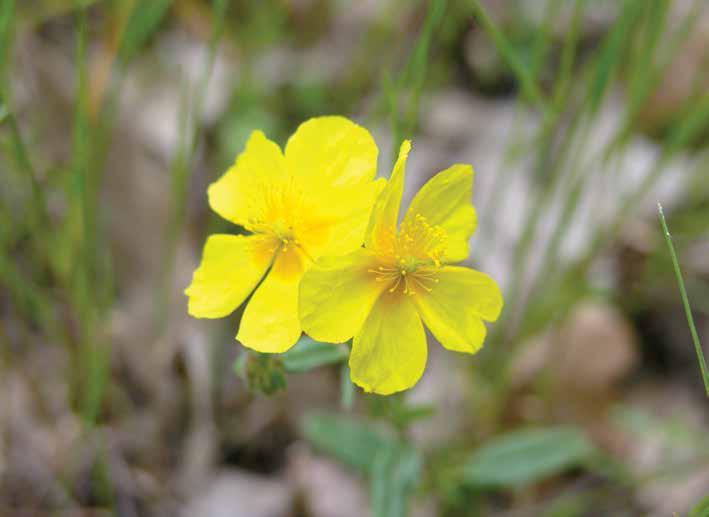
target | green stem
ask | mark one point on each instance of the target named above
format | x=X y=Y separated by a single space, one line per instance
x=685 y=300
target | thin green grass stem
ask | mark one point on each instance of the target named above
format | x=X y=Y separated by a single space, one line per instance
x=685 y=300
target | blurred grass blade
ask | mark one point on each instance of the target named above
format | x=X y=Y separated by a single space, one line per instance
x=21 y=154
x=526 y=456
x=691 y=126
x=508 y=53
x=347 y=388
x=568 y=56
x=308 y=354
x=612 y=52
x=411 y=79
x=685 y=301
x=192 y=101
x=143 y=22
x=28 y=297
x=7 y=16
x=419 y=63
x=93 y=357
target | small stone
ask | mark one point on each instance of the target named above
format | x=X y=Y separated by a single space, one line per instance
x=235 y=493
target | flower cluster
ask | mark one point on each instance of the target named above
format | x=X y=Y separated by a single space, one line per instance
x=325 y=254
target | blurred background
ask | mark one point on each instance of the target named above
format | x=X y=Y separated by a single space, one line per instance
x=578 y=116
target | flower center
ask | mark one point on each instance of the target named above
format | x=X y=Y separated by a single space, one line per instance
x=410 y=259
x=284 y=232
x=410 y=279
x=282 y=215
x=420 y=241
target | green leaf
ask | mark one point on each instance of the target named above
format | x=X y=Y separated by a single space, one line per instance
x=702 y=508
x=354 y=442
x=394 y=467
x=526 y=456
x=395 y=473
x=308 y=354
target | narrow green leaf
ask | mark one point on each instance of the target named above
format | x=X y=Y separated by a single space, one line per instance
x=685 y=301
x=144 y=20
x=393 y=467
x=394 y=474
x=308 y=354
x=511 y=56
x=693 y=124
x=612 y=52
x=526 y=456
x=7 y=16
x=418 y=65
x=354 y=442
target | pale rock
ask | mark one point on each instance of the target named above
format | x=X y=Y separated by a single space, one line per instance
x=325 y=486
x=593 y=350
x=235 y=493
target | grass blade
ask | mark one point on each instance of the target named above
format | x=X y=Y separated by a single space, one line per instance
x=685 y=300
x=526 y=80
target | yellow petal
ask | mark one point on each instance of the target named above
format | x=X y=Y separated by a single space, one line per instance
x=331 y=151
x=385 y=214
x=231 y=267
x=241 y=194
x=456 y=306
x=389 y=353
x=446 y=201
x=347 y=216
x=336 y=295
x=270 y=323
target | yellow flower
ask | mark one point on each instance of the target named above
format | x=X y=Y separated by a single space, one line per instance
x=380 y=294
x=313 y=199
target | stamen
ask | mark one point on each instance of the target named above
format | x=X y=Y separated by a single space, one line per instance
x=412 y=255
x=420 y=240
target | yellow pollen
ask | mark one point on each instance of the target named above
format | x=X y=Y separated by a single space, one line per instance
x=411 y=256
x=420 y=241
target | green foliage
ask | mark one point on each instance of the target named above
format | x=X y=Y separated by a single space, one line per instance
x=356 y=443
x=512 y=56
x=394 y=467
x=144 y=20
x=395 y=473
x=262 y=373
x=7 y=15
x=400 y=413
x=670 y=429
x=611 y=54
x=701 y=509
x=267 y=373
x=526 y=456
x=410 y=83
x=308 y=354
